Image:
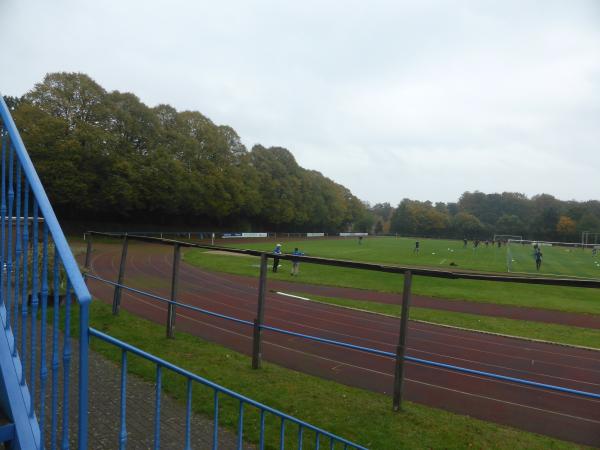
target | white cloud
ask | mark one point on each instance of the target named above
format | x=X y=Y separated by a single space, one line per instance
x=392 y=99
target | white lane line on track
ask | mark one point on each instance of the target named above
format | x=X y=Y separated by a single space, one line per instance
x=511 y=369
x=479 y=363
x=226 y=281
x=486 y=379
x=341 y=363
x=165 y=256
x=505 y=402
x=484 y=364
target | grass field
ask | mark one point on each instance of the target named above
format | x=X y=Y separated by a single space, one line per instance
x=356 y=414
x=400 y=251
x=445 y=254
x=559 y=261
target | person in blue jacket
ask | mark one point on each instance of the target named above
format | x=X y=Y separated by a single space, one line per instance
x=277 y=251
x=295 y=262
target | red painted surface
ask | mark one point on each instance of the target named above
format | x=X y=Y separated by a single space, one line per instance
x=563 y=416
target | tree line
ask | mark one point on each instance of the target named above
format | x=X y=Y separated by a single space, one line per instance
x=480 y=215
x=107 y=156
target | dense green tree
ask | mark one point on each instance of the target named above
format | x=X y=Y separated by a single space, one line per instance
x=467 y=225
x=107 y=156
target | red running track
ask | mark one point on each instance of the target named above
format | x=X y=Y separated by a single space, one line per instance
x=560 y=415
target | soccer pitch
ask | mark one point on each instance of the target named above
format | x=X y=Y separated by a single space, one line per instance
x=558 y=261
x=445 y=254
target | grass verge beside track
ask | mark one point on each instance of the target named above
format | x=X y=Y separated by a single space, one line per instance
x=567 y=299
x=561 y=334
x=355 y=414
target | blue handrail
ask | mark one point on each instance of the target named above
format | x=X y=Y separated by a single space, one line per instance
x=27 y=244
x=218 y=389
x=370 y=350
x=70 y=265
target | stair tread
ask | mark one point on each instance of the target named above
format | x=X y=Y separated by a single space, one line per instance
x=3 y=419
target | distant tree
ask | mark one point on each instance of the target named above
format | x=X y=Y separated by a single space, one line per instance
x=74 y=97
x=467 y=225
x=544 y=223
x=588 y=222
x=12 y=102
x=510 y=224
x=566 y=227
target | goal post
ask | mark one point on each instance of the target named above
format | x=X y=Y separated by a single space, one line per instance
x=590 y=238
x=507 y=237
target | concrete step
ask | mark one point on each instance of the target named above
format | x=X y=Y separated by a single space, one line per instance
x=7 y=429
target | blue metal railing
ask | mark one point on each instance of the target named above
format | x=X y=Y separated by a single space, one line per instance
x=243 y=402
x=373 y=351
x=37 y=271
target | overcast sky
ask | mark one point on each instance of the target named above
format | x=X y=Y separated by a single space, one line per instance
x=422 y=99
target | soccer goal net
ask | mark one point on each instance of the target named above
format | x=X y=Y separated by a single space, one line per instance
x=590 y=238
x=506 y=237
x=569 y=259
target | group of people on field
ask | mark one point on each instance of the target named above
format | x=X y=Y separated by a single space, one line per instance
x=537 y=255
x=295 y=263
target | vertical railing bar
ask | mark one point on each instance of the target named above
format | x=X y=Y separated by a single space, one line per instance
x=216 y=421
x=9 y=267
x=3 y=214
x=240 y=430
x=16 y=290
x=117 y=293
x=157 y=408
x=66 y=367
x=188 y=416
x=331 y=443
x=260 y=314
x=317 y=440
x=171 y=309
x=282 y=434
x=261 y=442
x=55 y=361
x=123 y=411
x=34 y=306
x=300 y=433
x=24 y=293
x=43 y=366
x=84 y=337
x=401 y=347
x=88 y=251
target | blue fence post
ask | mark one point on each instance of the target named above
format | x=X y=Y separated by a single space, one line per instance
x=43 y=363
x=84 y=343
x=3 y=214
x=157 y=408
x=260 y=315
x=188 y=416
x=18 y=252
x=401 y=348
x=123 y=426
x=25 y=286
x=34 y=304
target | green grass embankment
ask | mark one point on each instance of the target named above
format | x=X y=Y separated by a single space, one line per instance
x=353 y=413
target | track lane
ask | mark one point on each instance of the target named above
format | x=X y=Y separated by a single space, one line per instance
x=562 y=416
